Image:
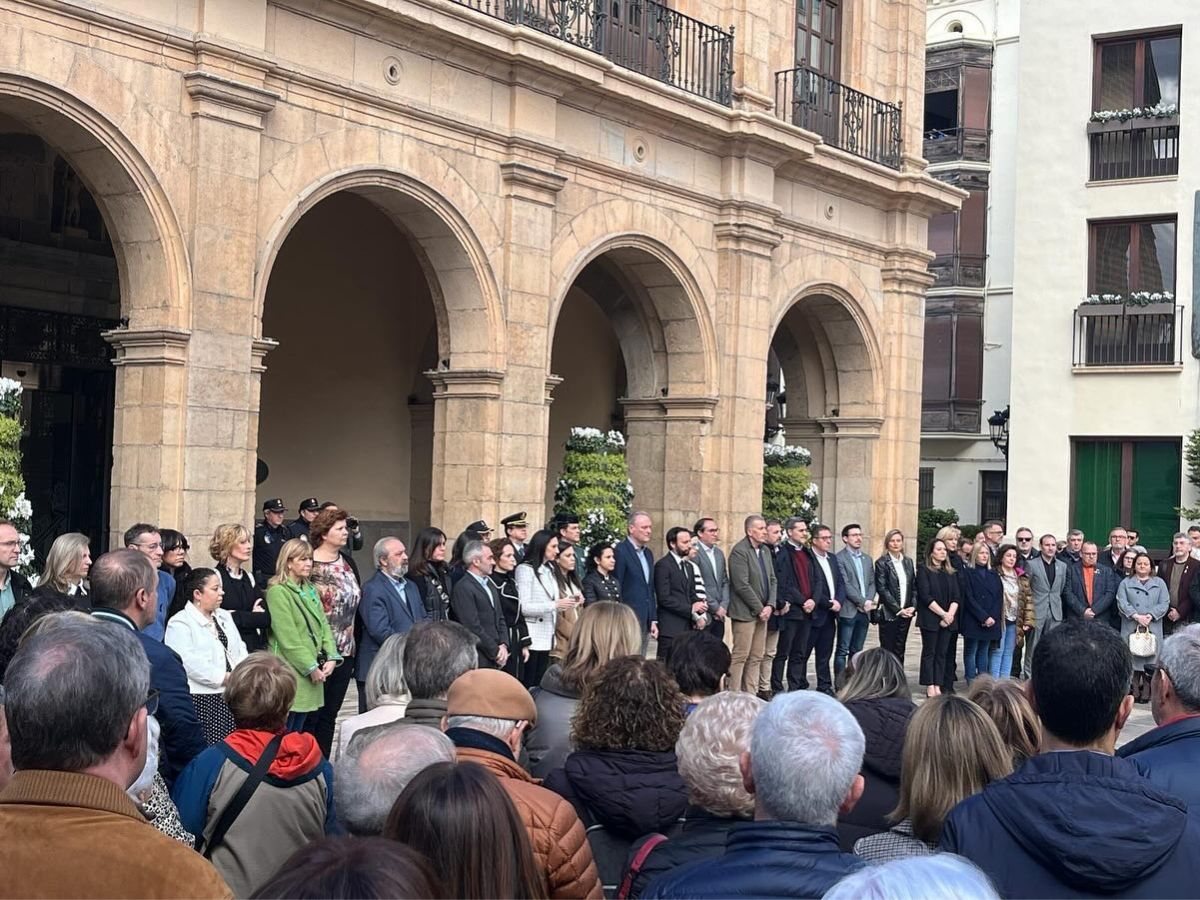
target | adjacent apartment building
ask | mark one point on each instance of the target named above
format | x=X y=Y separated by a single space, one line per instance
x=389 y=253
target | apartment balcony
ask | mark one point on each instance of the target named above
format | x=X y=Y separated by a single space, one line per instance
x=844 y=118
x=963 y=417
x=958 y=270
x=644 y=36
x=1112 y=335
x=955 y=144
x=1136 y=148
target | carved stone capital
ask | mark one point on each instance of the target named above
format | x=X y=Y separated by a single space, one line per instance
x=217 y=97
x=149 y=346
x=530 y=183
x=466 y=384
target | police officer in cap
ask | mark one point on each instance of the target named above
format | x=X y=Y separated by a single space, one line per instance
x=566 y=525
x=516 y=529
x=269 y=536
x=309 y=507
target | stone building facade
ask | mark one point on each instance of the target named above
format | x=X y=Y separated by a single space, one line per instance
x=394 y=249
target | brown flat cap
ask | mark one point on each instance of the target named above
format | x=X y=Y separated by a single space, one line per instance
x=490 y=692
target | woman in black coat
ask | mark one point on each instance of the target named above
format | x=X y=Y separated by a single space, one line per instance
x=599 y=583
x=938 y=595
x=231 y=548
x=510 y=604
x=427 y=569
x=982 y=620
x=877 y=694
x=896 y=583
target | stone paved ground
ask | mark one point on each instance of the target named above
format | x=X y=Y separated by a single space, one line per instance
x=1139 y=722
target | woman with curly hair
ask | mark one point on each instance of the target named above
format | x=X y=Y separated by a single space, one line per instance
x=623 y=775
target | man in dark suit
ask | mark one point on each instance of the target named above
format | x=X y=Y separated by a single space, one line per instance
x=390 y=605
x=635 y=572
x=474 y=604
x=109 y=579
x=793 y=572
x=1118 y=543
x=679 y=609
x=1181 y=573
x=710 y=560
x=829 y=593
x=1093 y=588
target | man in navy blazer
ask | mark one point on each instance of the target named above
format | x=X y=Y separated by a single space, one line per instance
x=390 y=605
x=635 y=572
x=825 y=572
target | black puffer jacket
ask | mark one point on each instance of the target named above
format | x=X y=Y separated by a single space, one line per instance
x=884 y=724
x=621 y=795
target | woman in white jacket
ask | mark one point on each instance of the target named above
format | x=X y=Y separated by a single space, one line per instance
x=541 y=600
x=210 y=646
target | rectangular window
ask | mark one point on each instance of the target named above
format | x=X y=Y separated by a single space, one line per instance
x=1127 y=482
x=993 y=495
x=818 y=36
x=925 y=490
x=1138 y=70
x=1131 y=255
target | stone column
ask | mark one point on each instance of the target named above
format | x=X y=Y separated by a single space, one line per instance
x=420 y=467
x=148 y=433
x=225 y=362
x=467 y=429
x=667 y=446
x=849 y=451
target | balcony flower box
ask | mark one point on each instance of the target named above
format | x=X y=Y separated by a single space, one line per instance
x=1137 y=123
x=1122 y=309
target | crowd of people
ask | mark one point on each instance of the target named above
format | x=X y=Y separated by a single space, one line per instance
x=541 y=719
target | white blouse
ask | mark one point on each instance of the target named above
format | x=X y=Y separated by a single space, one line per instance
x=194 y=638
x=538 y=595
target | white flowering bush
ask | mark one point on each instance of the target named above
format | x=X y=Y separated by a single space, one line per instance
x=1159 y=110
x=595 y=485
x=787 y=484
x=1136 y=298
x=13 y=505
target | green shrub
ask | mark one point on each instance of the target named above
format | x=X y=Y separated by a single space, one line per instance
x=1191 y=458
x=595 y=486
x=929 y=523
x=787 y=483
x=13 y=505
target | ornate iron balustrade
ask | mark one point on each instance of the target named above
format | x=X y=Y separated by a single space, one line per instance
x=644 y=36
x=1138 y=148
x=1116 y=335
x=845 y=118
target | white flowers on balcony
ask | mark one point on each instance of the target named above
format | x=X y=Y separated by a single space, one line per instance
x=1137 y=298
x=1157 y=111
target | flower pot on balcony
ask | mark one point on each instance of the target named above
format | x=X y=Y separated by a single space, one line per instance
x=1101 y=309
x=1133 y=124
x=1123 y=309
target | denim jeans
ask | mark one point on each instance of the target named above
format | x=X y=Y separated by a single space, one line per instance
x=295 y=721
x=976 y=657
x=1002 y=656
x=851 y=635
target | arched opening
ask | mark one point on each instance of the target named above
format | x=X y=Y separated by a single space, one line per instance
x=821 y=394
x=628 y=342
x=346 y=412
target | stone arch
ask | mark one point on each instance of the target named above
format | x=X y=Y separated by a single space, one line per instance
x=448 y=249
x=152 y=260
x=661 y=316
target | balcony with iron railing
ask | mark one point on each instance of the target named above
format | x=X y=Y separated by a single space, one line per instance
x=1108 y=335
x=959 y=270
x=953 y=144
x=951 y=416
x=1141 y=147
x=844 y=117
x=643 y=36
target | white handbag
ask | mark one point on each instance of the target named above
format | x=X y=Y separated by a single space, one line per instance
x=1142 y=642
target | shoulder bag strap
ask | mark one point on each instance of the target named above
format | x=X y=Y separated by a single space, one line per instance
x=639 y=860
x=240 y=799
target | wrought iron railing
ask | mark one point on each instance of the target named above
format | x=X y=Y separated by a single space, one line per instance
x=959 y=270
x=945 y=144
x=1115 y=335
x=1138 y=148
x=845 y=118
x=644 y=36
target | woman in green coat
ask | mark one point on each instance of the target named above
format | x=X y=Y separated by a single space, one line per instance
x=300 y=632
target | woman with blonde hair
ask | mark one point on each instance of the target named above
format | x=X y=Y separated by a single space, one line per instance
x=300 y=633
x=896 y=581
x=953 y=750
x=67 y=566
x=605 y=631
x=1008 y=706
x=231 y=548
x=938 y=597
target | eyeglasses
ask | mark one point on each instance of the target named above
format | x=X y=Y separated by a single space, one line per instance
x=10 y=543
x=1024 y=540
x=155 y=546
x=151 y=702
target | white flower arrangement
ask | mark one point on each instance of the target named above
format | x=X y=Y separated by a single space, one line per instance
x=786 y=455
x=1159 y=110
x=1136 y=298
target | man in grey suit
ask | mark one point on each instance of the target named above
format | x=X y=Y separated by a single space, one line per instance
x=711 y=562
x=1049 y=584
x=752 y=592
x=475 y=604
x=854 y=617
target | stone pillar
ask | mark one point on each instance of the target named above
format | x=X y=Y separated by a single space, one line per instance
x=148 y=428
x=258 y=352
x=467 y=431
x=225 y=362
x=849 y=452
x=667 y=445
x=420 y=467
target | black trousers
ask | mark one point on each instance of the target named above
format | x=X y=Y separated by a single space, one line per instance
x=950 y=669
x=539 y=662
x=321 y=722
x=666 y=645
x=790 y=655
x=717 y=628
x=362 y=696
x=936 y=644
x=820 y=638
x=893 y=636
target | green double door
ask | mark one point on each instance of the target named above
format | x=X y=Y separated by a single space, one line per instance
x=1135 y=483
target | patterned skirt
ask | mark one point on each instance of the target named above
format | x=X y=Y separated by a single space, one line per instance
x=214 y=715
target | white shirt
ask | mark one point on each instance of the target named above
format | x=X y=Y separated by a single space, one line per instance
x=194 y=638
x=898 y=565
x=823 y=562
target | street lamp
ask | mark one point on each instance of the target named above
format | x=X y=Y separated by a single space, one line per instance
x=998 y=428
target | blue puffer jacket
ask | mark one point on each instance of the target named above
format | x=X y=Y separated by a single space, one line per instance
x=1170 y=755
x=1078 y=824
x=763 y=859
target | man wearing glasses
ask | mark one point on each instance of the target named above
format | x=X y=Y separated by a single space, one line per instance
x=1025 y=548
x=1118 y=542
x=14 y=587
x=146 y=540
